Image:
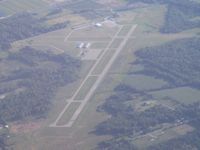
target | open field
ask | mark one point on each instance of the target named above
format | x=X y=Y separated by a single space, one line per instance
x=185 y=95
x=150 y=18
x=66 y=15
x=142 y=82
x=9 y=7
x=65 y=41
x=93 y=34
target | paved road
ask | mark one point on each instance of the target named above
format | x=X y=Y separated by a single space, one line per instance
x=96 y=84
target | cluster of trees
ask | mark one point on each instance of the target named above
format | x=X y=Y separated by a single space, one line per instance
x=179 y=14
x=176 y=62
x=125 y=122
x=23 y=25
x=39 y=74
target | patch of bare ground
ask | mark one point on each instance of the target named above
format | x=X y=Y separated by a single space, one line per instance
x=25 y=127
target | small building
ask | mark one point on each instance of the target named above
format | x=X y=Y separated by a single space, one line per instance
x=98 y=25
x=80 y=45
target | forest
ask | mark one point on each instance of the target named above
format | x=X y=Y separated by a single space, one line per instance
x=29 y=86
x=176 y=62
x=24 y=25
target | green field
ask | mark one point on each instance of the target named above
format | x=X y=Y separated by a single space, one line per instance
x=93 y=34
x=142 y=82
x=13 y=6
x=150 y=18
x=185 y=95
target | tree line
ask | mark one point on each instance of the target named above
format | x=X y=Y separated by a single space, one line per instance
x=177 y=62
x=24 y=25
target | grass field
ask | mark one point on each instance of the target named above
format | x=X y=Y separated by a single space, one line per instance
x=185 y=95
x=93 y=34
x=9 y=7
x=98 y=38
x=142 y=82
x=151 y=17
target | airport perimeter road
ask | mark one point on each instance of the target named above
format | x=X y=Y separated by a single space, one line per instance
x=96 y=84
